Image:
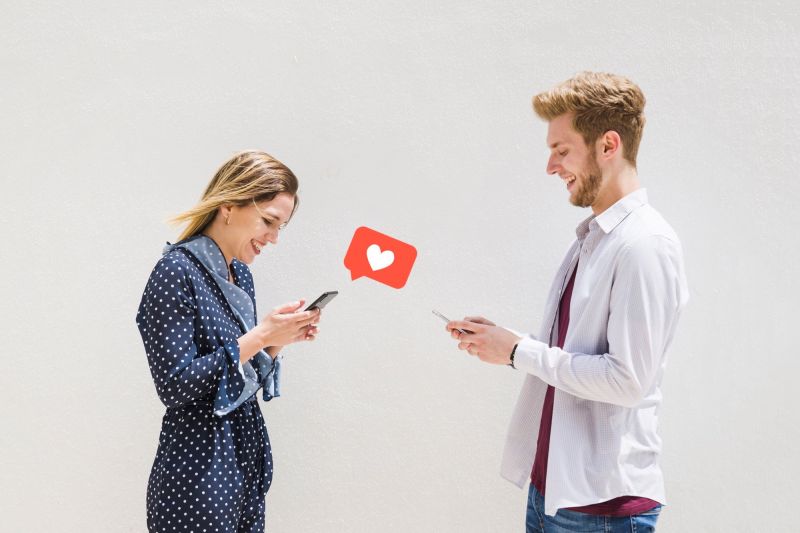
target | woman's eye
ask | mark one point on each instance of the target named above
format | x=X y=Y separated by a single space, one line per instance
x=267 y=222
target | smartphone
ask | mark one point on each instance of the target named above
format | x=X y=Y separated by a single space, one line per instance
x=440 y=315
x=322 y=301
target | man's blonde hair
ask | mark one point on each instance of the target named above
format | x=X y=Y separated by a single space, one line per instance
x=601 y=102
x=247 y=176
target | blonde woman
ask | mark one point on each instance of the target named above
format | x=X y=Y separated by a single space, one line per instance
x=209 y=355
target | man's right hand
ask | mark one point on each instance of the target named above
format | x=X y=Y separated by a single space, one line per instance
x=479 y=320
x=474 y=319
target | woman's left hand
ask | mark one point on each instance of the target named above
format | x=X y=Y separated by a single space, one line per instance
x=309 y=333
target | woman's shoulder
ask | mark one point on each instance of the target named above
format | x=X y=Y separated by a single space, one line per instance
x=177 y=265
x=174 y=259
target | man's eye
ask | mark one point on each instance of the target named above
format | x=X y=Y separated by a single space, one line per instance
x=562 y=154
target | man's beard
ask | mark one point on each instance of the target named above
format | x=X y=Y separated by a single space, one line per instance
x=589 y=184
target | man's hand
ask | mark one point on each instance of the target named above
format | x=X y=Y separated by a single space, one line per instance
x=481 y=337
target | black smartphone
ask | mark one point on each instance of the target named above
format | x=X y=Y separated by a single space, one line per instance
x=322 y=301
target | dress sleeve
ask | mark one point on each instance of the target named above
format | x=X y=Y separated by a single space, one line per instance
x=269 y=374
x=166 y=321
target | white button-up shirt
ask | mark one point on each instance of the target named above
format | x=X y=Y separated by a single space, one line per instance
x=629 y=290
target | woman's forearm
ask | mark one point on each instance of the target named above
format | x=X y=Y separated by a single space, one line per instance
x=250 y=344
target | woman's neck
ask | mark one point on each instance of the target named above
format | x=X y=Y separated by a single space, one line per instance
x=214 y=234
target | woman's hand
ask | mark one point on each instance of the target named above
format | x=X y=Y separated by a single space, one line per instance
x=283 y=325
x=310 y=333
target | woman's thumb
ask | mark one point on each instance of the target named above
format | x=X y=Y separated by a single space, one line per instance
x=290 y=307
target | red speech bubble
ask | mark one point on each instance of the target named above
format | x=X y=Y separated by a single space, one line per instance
x=379 y=257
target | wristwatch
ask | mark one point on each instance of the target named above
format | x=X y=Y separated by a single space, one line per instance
x=511 y=364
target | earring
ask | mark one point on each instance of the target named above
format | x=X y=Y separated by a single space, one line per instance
x=227 y=220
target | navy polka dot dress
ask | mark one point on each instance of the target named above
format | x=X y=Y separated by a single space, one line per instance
x=213 y=466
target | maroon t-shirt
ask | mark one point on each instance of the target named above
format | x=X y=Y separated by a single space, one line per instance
x=622 y=506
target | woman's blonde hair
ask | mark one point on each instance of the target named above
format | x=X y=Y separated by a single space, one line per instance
x=247 y=176
x=601 y=102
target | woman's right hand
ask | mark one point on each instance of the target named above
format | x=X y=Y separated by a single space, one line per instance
x=283 y=325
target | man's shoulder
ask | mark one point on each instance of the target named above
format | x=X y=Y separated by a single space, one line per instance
x=646 y=223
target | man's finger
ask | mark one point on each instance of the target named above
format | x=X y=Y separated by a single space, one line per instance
x=468 y=338
x=468 y=327
x=479 y=320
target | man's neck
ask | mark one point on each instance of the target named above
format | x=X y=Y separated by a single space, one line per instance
x=616 y=188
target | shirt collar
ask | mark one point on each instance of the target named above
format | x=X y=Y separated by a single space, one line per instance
x=207 y=251
x=611 y=217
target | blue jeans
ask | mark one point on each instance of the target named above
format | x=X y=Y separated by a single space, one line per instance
x=570 y=521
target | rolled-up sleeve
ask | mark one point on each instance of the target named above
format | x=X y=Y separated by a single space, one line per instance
x=269 y=374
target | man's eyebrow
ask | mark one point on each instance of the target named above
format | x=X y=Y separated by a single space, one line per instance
x=555 y=144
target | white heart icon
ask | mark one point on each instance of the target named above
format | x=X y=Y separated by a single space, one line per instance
x=379 y=260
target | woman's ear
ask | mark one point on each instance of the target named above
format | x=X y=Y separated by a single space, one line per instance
x=225 y=212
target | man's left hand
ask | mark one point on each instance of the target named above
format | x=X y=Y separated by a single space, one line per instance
x=491 y=344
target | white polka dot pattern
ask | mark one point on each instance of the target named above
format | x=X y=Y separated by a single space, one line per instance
x=211 y=472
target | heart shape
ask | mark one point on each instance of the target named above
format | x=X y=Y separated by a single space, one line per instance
x=379 y=260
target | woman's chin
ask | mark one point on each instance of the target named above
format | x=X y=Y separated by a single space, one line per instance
x=246 y=258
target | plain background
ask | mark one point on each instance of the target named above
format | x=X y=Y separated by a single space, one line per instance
x=412 y=118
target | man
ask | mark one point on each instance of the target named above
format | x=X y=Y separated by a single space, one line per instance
x=584 y=430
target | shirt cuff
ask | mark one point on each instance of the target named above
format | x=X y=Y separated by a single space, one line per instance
x=270 y=375
x=529 y=355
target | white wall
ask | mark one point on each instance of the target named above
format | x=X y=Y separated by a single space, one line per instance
x=412 y=118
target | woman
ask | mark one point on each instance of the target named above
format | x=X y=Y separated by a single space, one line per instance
x=209 y=356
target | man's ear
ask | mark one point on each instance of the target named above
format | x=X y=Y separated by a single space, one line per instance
x=610 y=143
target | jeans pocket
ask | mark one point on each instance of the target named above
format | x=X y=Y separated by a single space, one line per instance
x=655 y=511
x=645 y=522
